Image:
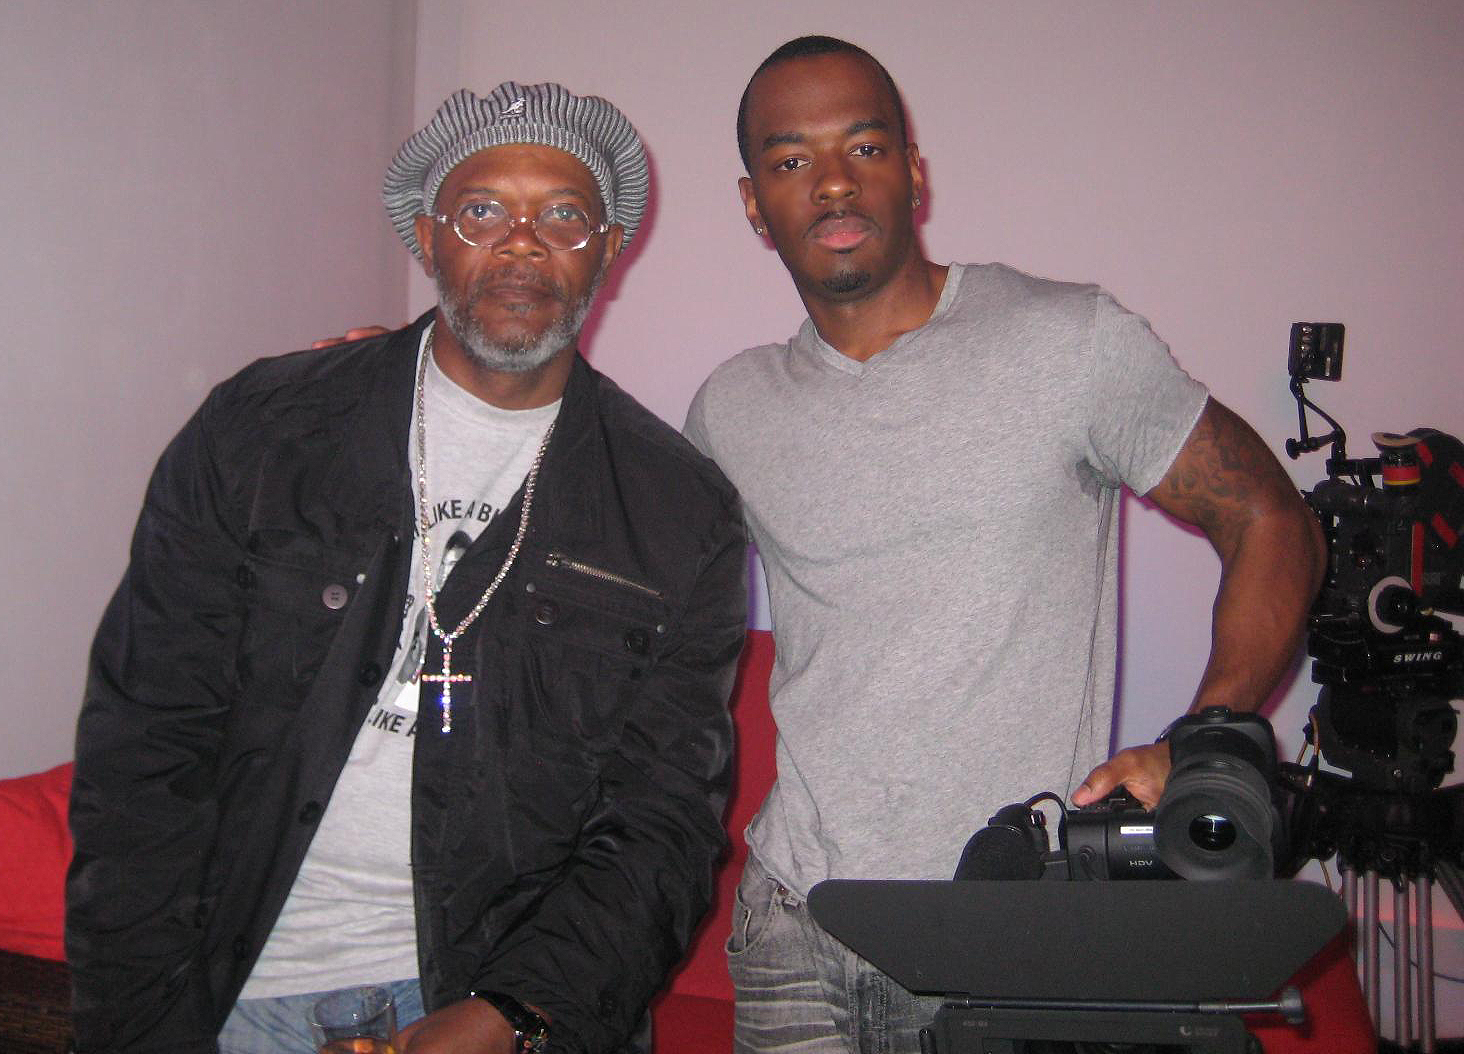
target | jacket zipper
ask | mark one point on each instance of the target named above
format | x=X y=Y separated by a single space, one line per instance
x=571 y=564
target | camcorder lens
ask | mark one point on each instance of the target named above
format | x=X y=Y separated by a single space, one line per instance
x=1212 y=832
x=1215 y=820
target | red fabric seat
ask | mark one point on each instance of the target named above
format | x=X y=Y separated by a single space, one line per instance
x=35 y=849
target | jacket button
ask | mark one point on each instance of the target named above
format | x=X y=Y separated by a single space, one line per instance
x=637 y=641
x=334 y=596
x=244 y=576
x=369 y=674
x=241 y=947
x=309 y=812
x=546 y=613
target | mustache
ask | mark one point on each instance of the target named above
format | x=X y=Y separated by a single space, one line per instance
x=833 y=215
x=515 y=277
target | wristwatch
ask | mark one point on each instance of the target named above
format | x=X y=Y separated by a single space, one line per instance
x=530 y=1030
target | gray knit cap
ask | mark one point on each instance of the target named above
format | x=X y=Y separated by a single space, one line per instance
x=587 y=127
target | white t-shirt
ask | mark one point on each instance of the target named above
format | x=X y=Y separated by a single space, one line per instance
x=349 y=919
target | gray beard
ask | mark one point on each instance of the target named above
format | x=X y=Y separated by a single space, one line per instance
x=515 y=356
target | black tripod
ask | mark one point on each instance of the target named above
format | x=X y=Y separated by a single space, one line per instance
x=1410 y=839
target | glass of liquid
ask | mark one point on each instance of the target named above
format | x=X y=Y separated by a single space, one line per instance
x=355 y=1021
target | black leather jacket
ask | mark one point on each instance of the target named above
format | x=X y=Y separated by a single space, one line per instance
x=563 y=834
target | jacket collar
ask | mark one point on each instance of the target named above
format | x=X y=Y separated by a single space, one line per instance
x=576 y=463
x=374 y=479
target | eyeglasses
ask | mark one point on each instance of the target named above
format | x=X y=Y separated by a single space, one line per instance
x=484 y=224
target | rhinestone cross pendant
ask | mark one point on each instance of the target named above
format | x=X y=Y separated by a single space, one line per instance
x=447 y=679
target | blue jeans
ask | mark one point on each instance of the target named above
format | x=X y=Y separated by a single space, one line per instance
x=801 y=991
x=281 y=1025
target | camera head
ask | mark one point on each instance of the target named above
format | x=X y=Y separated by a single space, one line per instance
x=1385 y=632
x=1217 y=818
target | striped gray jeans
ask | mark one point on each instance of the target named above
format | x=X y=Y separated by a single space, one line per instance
x=801 y=991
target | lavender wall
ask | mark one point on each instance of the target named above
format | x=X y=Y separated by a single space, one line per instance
x=184 y=187
x=1223 y=169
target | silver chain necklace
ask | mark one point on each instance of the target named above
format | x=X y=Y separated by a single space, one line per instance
x=447 y=678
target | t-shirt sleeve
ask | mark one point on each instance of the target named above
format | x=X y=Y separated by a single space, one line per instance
x=1144 y=406
x=695 y=428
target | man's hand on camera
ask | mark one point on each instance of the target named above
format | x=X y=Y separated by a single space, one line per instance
x=1142 y=770
x=359 y=333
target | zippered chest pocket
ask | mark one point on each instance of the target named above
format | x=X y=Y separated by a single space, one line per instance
x=587 y=605
x=587 y=640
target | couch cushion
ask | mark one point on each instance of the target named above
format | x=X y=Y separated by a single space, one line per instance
x=35 y=850
x=691 y=1024
x=703 y=973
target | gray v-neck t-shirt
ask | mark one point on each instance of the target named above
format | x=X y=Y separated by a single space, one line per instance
x=938 y=526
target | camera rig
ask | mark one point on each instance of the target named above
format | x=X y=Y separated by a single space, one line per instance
x=1386 y=635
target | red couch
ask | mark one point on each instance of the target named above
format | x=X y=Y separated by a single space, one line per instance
x=693 y=1015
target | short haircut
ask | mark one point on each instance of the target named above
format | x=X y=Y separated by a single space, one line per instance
x=804 y=47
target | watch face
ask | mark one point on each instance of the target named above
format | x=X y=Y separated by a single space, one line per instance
x=536 y=1039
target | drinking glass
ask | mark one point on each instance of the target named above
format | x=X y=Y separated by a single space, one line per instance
x=355 y=1021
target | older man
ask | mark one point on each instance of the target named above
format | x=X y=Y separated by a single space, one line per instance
x=416 y=677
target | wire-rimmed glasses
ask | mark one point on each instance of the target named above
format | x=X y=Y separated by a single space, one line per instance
x=483 y=224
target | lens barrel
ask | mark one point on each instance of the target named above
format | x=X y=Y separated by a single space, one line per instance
x=1215 y=820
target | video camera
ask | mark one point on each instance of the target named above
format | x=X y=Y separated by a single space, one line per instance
x=1385 y=630
x=1220 y=817
x=1386 y=635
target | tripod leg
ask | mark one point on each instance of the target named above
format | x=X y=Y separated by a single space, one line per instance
x=1423 y=902
x=1370 y=946
x=1402 y=967
x=1349 y=898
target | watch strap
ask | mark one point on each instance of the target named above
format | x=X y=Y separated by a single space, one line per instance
x=530 y=1030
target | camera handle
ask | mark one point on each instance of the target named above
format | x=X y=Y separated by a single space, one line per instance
x=1308 y=443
